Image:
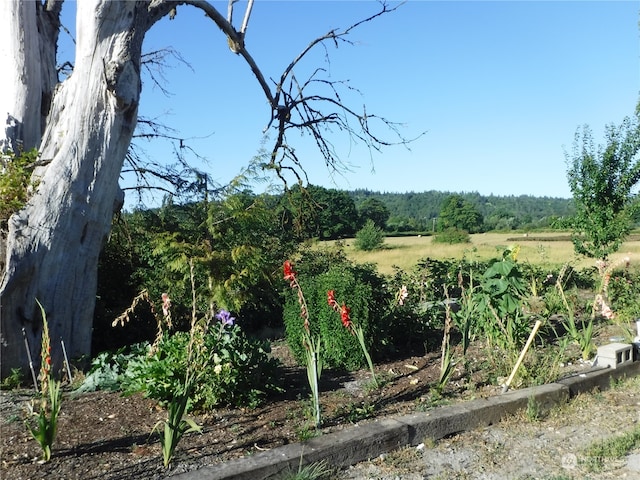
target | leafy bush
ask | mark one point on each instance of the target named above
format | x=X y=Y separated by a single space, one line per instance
x=370 y=237
x=430 y=275
x=452 y=236
x=13 y=380
x=624 y=290
x=240 y=373
x=110 y=369
x=360 y=288
x=235 y=243
x=502 y=289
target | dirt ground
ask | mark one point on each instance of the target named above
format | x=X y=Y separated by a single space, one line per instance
x=107 y=436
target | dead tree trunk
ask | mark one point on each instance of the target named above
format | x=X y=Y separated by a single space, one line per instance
x=53 y=243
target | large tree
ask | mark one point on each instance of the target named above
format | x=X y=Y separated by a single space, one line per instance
x=82 y=128
x=323 y=213
x=458 y=212
x=375 y=210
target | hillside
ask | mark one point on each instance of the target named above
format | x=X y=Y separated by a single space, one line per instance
x=416 y=210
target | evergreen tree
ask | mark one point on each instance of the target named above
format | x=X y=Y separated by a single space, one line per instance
x=461 y=214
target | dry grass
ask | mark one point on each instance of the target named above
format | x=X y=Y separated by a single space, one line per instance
x=544 y=249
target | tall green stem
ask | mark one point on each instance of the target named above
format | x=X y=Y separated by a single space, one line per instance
x=360 y=335
x=314 y=370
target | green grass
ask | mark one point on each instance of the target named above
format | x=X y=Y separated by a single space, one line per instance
x=544 y=249
x=613 y=448
x=313 y=471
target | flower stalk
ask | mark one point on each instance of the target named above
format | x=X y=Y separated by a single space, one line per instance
x=446 y=357
x=582 y=336
x=313 y=347
x=356 y=330
x=176 y=425
x=50 y=397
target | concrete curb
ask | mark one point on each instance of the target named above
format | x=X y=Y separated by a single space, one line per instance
x=369 y=440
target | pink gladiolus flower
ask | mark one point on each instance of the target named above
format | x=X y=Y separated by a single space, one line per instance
x=166 y=304
x=402 y=295
x=605 y=310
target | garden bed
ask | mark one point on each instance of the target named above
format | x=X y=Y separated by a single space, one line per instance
x=105 y=435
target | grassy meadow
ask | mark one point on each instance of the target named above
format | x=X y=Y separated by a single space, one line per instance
x=544 y=249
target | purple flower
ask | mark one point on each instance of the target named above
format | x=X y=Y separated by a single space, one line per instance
x=225 y=317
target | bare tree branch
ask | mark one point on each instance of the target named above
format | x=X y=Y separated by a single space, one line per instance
x=155 y=63
x=230 y=11
x=236 y=41
x=180 y=178
x=298 y=105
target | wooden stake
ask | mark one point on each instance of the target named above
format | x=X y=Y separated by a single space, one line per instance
x=505 y=387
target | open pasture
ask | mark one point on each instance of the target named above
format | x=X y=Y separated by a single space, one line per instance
x=550 y=249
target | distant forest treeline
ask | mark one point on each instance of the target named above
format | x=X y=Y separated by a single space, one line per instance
x=328 y=214
x=416 y=211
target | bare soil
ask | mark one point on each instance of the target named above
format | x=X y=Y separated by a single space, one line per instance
x=107 y=436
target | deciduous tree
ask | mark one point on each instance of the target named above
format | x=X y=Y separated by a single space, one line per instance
x=602 y=180
x=374 y=210
x=323 y=213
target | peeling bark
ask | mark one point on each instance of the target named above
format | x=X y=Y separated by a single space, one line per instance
x=54 y=242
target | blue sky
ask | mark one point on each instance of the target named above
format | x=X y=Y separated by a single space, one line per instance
x=499 y=88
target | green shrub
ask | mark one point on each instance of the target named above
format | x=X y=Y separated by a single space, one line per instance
x=13 y=380
x=15 y=181
x=360 y=288
x=239 y=372
x=110 y=369
x=501 y=291
x=452 y=236
x=369 y=237
x=623 y=291
x=242 y=372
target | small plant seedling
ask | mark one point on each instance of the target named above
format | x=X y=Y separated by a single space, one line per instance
x=13 y=380
x=312 y=471
x=533 y=413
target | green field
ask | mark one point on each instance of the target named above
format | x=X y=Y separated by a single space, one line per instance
x=545 y=249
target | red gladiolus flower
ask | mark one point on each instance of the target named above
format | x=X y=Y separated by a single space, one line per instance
x=343 y=310
x=331 y=299
x=289 y=272
x=344 y=316
x=290 y=276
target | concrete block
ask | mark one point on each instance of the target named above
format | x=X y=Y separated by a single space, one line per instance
x=614 y=355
